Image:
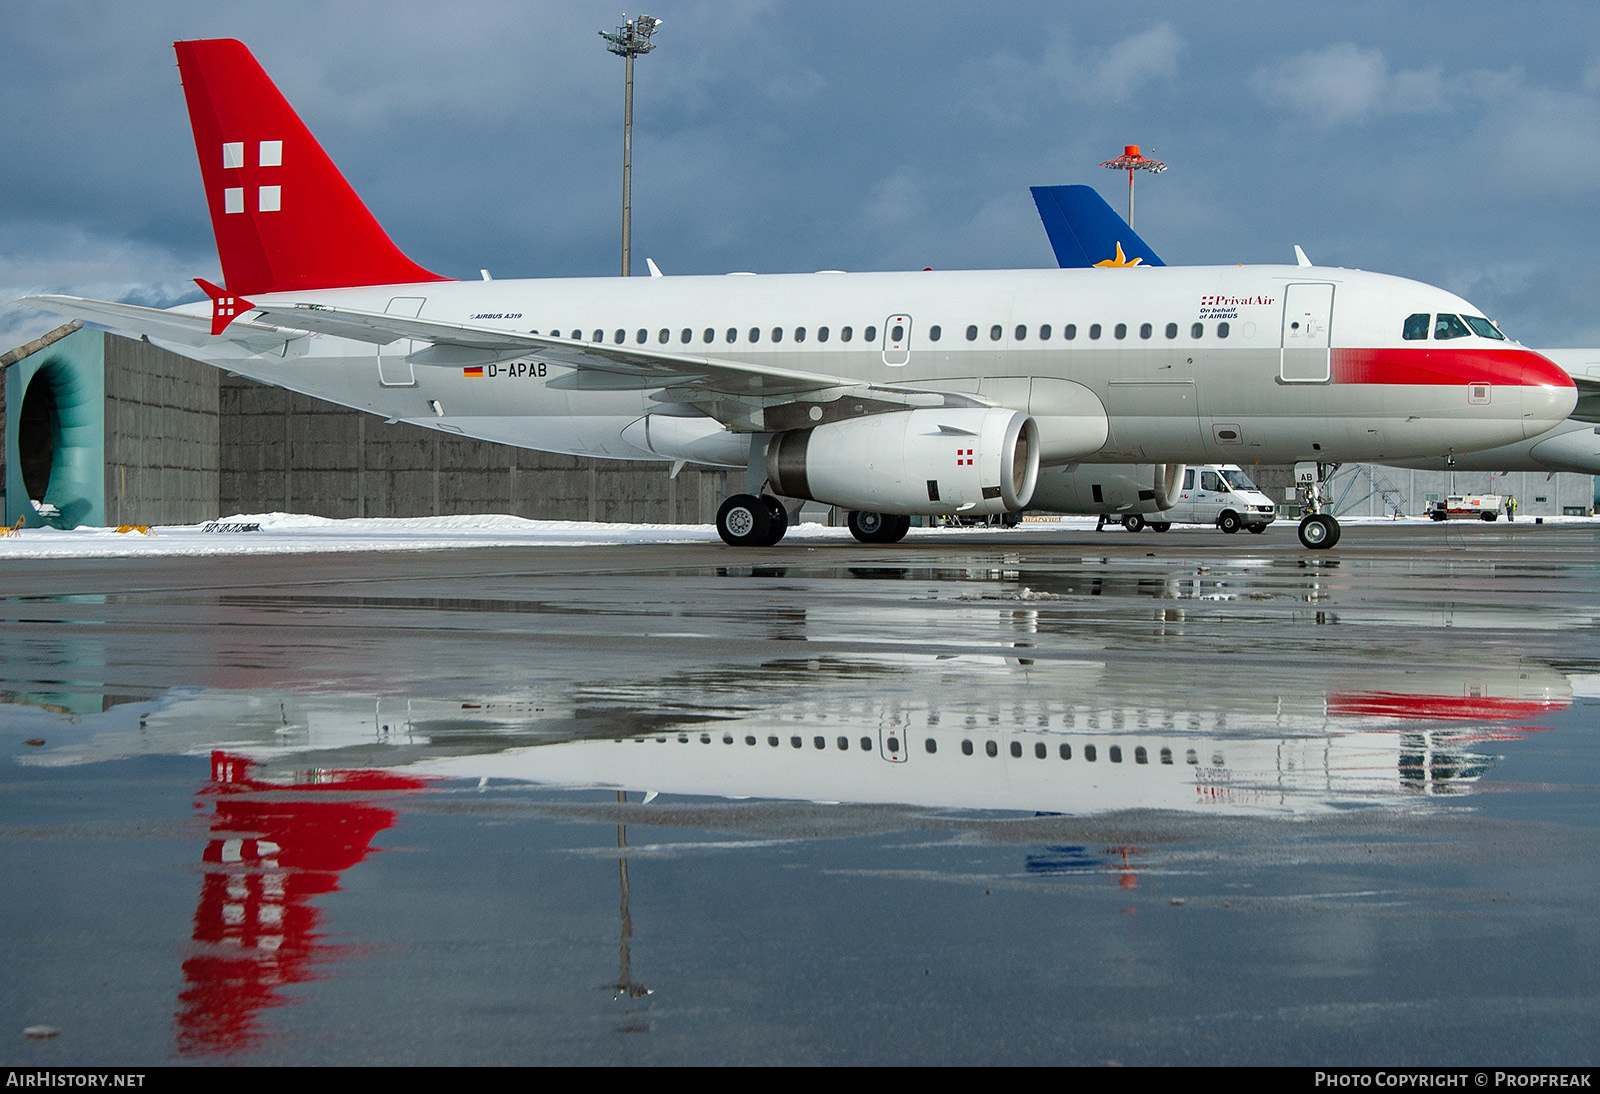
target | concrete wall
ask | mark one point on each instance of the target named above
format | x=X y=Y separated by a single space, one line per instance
x=283 y=452
x=162 y=436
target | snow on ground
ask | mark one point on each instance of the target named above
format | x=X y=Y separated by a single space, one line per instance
x=291 y=533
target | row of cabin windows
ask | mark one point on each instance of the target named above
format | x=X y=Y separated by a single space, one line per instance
x=1070 y=331
x=1040 y=750
x=896 y=333
x=731 y=335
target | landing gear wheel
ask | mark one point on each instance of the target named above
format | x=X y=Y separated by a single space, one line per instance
x=1229 y=522
x=745 y=521
x=779 y=517
x=1160 y=525
x=1257 y=529
x=1133 y=522
x=1319 y=531
x=870 y=527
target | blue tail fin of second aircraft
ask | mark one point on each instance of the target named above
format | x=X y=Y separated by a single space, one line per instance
x=1085 y=231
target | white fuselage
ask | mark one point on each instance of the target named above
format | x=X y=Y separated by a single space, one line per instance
x=1163 y=364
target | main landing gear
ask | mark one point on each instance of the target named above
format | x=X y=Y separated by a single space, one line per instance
x=878 y=527
x=749 y=520
x=1318 y=530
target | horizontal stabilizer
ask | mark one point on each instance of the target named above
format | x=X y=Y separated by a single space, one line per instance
x=169 y=326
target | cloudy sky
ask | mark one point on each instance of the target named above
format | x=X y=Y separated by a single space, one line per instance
x=1456 y=143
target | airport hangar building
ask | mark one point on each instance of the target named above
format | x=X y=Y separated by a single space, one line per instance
x=115 y=431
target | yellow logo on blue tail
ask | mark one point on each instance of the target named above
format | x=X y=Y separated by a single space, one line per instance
x=1120 y=260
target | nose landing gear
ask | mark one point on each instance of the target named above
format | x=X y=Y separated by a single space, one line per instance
x=1318 y=530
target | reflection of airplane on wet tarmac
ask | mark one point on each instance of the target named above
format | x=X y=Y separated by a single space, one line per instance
x=1233 y=748
x=886 y=394
x=1085 y=231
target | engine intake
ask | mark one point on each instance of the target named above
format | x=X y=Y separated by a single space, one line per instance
x=977 y=460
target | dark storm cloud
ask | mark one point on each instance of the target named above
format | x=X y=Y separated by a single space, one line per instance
x=774 y=136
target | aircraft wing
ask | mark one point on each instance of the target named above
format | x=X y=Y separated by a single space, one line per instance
x=190 y=330
x=742 y=395
x=457 y=344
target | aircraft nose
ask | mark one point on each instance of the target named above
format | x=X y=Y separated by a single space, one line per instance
x=1548 y=394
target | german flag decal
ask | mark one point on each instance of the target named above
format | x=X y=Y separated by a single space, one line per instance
x=474 y=373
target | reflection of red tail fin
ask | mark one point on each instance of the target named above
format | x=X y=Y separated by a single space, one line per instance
x=284 y=217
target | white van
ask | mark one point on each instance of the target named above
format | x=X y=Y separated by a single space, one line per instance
x=1219 y=494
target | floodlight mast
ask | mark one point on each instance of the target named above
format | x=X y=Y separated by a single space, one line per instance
x=1131 y=160
x=628 y=41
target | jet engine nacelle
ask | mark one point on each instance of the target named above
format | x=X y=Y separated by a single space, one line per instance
x=1109 y=488
x=977 y=460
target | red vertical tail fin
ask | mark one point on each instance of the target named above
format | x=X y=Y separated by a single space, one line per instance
x=284 y=216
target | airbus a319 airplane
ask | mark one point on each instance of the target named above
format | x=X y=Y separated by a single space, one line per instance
x=887 y=394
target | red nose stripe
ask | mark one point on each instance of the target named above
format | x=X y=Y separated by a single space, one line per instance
x=1405 y=365
x=1387 y=704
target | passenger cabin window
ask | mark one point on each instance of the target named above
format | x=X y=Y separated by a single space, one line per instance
x=663 y=336
x=1145 y=330
x=1094 y=330
x=622 y=336
x=777 y=334
x=897 y=333
x=995 y=332
x=641 y=336
x=1021 y=333
x=755 y=334
x=686 y=336
x=1448 y=326
x=972 y=333
x=934 y=332
x=1416 y=328
x=708 y=336
x=1070 y=331
x=599 y=336
x=1121 y=331
x=845 y=334
x=1172 y=330
x=799 y=334
x=1222 y=330
x=733 y=334
x=822 y=334
x=870 y=334
x=1197 y=330
x=1044 y=332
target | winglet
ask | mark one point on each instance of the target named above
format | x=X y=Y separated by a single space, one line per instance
x=225 y=306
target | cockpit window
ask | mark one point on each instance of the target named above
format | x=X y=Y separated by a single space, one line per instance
x=1449 y=326
x=1239 y=480
x=1416 y=327
x=1483 y=328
